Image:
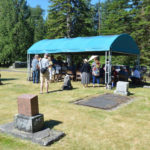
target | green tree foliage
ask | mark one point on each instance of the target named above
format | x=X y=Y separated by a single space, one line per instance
x=83 y=22
x=141 y=28
x=37 y=23
x=21 y=25
x=14 y=30
x=128 y=16
x=69 y=18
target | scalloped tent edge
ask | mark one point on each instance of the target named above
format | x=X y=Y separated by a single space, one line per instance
x=123 y=44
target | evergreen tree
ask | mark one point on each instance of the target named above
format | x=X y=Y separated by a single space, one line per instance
x=141 y=28
x=83 y=23
x=69 y=18
x=15 y=36
x=60 y=13
x=115 y=17
x=37 y=23
x=6 y=24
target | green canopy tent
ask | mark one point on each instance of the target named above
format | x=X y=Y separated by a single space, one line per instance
x=109 y=45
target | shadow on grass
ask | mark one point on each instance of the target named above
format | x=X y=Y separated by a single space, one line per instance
x=61 y=90
x=7 y=79
x=139 y=85
x=51 y=124
x=4 y=84
x=55 y=91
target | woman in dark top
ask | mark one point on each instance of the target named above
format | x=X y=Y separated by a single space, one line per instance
x=85 y=70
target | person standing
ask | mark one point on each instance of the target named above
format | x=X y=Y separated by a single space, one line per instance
x=51 y=69
x=85 y=73
x=96 y=72
x=44 y=73
x=35 y=69
x=136 y=76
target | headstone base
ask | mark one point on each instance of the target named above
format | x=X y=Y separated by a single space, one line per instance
x=44 y=137
x=146 y=87
x=29 y=124
x=121 y=93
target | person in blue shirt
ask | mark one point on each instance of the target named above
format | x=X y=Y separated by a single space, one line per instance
x=35 y=69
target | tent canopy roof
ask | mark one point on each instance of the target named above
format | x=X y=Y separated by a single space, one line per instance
x=123 y=43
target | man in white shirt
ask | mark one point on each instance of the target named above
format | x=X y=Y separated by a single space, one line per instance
x=44 y=76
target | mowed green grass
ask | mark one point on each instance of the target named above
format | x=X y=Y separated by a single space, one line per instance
x=127 y=128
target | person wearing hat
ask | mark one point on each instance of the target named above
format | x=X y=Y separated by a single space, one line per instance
x=85 y=73
x=44 y=73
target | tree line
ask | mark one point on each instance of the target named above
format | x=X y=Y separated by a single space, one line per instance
x=21 y=25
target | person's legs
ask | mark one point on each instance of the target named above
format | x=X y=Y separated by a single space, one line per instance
x=34 y=76
x=50 y=74
x=42 y=83
x=98 y=80
x=37 y=76
x=133 y=80
x=93 y=80
x=47 y=83
x=83 y=85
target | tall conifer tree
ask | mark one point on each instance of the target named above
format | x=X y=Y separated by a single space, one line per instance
x=69 y=18
x=15 y=36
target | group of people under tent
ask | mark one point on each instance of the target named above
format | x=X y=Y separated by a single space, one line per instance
x=48 y=69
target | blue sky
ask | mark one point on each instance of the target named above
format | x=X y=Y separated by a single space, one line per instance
x=44 y=4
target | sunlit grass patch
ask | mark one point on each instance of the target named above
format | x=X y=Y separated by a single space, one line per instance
x=86 y=128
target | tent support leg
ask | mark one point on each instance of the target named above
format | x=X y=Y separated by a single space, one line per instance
x=69 y=60
x=106 y=68
x=28 y=67
x=108 y=56
x=109 y=66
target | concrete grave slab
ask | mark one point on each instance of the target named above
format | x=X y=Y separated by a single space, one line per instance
x=44 y=137
x=105 y=101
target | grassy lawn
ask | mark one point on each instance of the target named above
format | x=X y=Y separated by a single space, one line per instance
x=127 y=128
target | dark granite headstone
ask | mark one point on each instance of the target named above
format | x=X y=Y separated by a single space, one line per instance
x=19 y=64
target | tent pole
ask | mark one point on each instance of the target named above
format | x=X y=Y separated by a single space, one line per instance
x=106 y=67
x=28 y=67
x=108 y=56
x=109 y=70
x=69 y=60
